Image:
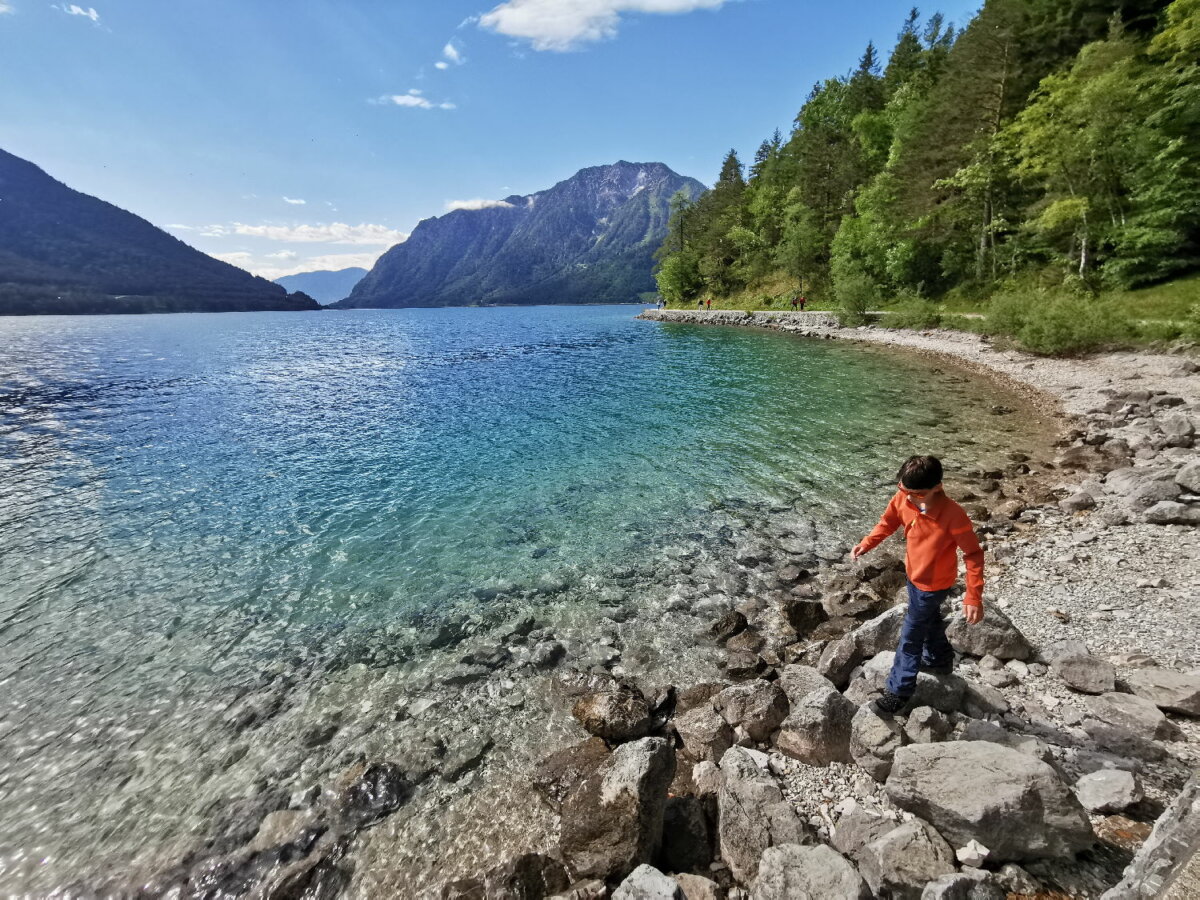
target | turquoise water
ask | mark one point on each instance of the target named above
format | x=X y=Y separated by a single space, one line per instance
x=186 y=501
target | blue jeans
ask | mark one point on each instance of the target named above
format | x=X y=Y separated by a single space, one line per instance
x=922 y=640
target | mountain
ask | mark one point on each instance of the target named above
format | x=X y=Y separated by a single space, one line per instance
x=65 y=252
x=589 y=239
x=324 y=285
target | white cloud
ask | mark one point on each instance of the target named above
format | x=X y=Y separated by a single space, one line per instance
x=5 y=7
x=453 y=54
x=283 y=254
x=414 y=99
x=333 y=233
x=294 y=201
x=565 y=24
x=74 y=10
x=452 y=205
x=441 y=65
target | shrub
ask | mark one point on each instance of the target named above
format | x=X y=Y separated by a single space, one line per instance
x=1058 y=324
x=1066 y=326
x=1008 y=312
x=1158 y=330
x=856 y=294
x=917 y=315
x=1191 y=324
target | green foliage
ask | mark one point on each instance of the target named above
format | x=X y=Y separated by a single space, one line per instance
x=679 y=279
x=856 y=295
x=1057 y=137
x=1190 y=328
x=914 y=314
x=1059 y=324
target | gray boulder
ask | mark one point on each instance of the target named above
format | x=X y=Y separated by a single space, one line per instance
x=839 y=659
x=705 y=734
x=1167 y=689
x=996 y=635
x=697 y=887
x=798 y=681
x=980 y=730
x=1168 y=512
x=647 y=883
x=793 y=872
x=874 y=742
x=752 y=815
x=1015 y=805
x=1073 y=663
x=903 y=861
x=880 y=633
x=1134 y=714
x=757 y=706
x=1188 y=477
x=612 y=822
x=926 y=725
x=1077 y=502
x=617 y=715
x=1148 y=487
x=963 y=887
x=817 y=730
x=858 y=827
x=1108 y=791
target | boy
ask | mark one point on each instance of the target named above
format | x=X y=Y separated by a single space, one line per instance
x=935 y=529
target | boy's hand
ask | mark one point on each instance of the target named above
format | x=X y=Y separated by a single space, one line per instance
x=857 y=551
x=973 y=614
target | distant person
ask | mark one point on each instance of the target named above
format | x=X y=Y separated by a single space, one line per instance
x=935 y=529
x=709 y=303
x=803 y=300
x=795 y=301
x=699 y=304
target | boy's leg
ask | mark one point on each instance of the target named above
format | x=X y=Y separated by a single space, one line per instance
x=938 y=653
x=924 y=609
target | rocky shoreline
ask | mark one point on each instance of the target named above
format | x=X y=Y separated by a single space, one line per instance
x=1042 y=765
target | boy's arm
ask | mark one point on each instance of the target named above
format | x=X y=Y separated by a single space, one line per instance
x=963 y=533
x=888 y=523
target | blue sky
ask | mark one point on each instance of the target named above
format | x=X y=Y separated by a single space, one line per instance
x=315 y=133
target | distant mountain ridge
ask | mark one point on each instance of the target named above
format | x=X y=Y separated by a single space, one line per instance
x=64 y=252
x=324 y=285
x=589 y=239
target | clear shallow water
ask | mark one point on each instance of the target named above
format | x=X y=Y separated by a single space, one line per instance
x=190 y=504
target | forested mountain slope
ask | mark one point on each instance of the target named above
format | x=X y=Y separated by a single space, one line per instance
x=1056 y=141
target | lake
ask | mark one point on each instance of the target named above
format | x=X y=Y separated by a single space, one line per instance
x=220 y=532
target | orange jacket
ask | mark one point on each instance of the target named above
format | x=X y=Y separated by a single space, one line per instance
x=933 y=539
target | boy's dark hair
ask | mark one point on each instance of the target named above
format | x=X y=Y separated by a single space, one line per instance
x=920 y=473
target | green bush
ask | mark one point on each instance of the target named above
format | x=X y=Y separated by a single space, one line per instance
x=1158 y=330
x=1191 y=324
x=1008 y=312
x=917 y=315
x=856 y=294
x=1058 y=324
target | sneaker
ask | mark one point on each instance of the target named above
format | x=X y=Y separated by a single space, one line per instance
x=945 y=668
x=888 y=705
